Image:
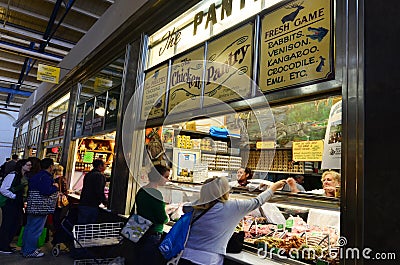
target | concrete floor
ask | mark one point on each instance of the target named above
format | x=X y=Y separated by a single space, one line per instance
x=64 y=257
x=16 y=258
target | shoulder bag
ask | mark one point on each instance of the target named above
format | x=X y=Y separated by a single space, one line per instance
x=38 y=204
x=135 y=227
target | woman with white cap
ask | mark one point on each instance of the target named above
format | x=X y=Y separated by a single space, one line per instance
x=210 y=234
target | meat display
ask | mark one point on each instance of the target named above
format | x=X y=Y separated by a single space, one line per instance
x=295 y=239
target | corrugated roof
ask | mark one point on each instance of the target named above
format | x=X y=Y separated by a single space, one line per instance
x=39 y=31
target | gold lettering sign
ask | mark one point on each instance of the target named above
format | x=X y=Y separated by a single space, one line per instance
x=308 y=150
x=296 y=45
x=186 y=82
x=229 y=66
x=48 y=73
x=154 y=93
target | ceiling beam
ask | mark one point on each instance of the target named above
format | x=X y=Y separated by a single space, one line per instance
x=78 y=10
x=7 y=47
x=27 y=43
x=9 y=70
x=12 y=110
x=35 y=36
x=10 y=80
x=11 y=60
x=41 y=17
x=15 y=91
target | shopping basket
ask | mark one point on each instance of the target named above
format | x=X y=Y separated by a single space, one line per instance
x=98 y=235
x=93 y=235
x=108 y=261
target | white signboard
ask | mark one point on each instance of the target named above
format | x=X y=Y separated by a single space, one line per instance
x=331 y=158
x=198 y=24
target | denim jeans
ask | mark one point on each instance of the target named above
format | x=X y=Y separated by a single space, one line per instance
x=33 y=229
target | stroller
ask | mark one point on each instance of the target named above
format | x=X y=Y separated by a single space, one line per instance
x=63 y=221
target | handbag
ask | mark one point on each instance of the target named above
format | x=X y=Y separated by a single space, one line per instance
x=135 y=227
x=235 y=243
x=38 y=204
x=62 y=199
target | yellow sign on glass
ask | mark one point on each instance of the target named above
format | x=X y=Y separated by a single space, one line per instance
x=47 y=73
x=296 y=45
x=265 y=145
x=308 y=150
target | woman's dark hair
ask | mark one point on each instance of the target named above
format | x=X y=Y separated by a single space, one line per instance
x=248 y=171
x=19 y=165
x=35 y=165
x=157 y=172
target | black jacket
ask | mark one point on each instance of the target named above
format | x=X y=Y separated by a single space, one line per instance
x=93 y=189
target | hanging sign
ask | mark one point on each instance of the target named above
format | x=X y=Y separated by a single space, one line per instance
x=308 y=150
x=102 y=83
x=229 y=66
x=186 y=82
x=51 y=128
x=112 y=108
x=46 y=130
x=296 y=45
x=48 y=73
x=333 y=139
x=87 y=128
x=62 y=124
x=154 y=89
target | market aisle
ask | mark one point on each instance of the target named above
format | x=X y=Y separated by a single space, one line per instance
x=16 y=258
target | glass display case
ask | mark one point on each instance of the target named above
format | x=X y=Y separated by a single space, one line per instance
x=289 y=228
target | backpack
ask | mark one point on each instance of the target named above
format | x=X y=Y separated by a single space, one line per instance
x=175 y=240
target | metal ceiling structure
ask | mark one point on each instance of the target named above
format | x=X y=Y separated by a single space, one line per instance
x=38 y=31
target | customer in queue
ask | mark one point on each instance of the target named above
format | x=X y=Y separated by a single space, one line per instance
x=43 y=183
x=92 y=194
x=210 y=234
x=150 y=205
x=12 y=188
